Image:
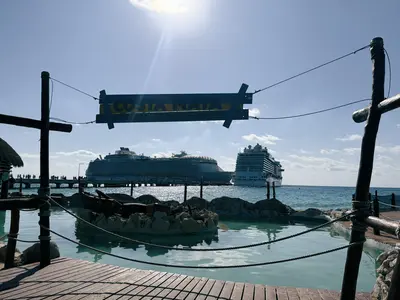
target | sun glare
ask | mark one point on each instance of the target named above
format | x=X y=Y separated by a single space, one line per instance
x=162 y=6
x=177 y=16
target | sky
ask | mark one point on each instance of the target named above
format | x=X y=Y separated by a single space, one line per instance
x=205 y=46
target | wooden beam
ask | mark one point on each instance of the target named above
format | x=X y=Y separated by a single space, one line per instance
x=32 y=123
x=386 y=105
x=384 y=225
x=20 y=203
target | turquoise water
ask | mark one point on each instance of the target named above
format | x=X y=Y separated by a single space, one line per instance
x=318 y=272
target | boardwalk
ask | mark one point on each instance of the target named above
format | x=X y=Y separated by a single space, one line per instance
x=69 y=278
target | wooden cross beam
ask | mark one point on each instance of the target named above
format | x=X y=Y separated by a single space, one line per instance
x=32 y=123
x=386 y=105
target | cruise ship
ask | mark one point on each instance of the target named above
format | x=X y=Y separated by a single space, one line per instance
x=255 y=167
x=125 y=166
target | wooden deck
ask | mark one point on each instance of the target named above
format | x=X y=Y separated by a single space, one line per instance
x=385 y=238
x=74 y=279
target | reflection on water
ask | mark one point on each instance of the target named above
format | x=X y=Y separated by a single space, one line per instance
x=317 y=272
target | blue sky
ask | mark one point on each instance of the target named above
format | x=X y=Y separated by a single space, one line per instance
x=202 y=46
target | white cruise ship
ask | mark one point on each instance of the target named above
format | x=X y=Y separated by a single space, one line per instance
x=255 y=167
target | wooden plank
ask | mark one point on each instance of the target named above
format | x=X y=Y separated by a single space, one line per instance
x=259 y=292
x=303 y=294
x=270 y=293
x=206 y=290
x=32 y=123
x=196 y=290
x=227 y=290
x=171 y=286
x=54 y=271
x=292 y=293
x=237 y=291
x=192 y=284
x=281 y=293
x=46 y=289
x=158 y=286
x=180 y=287
x=216 y=290
x=248 y=292
x=134 y=283
x=326 y=295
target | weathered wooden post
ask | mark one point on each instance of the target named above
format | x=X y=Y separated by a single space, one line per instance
x=44 y=189
x=393 y=201
x=12 y=243
x=268 y=190
x=131 y=189
x=20 y=185
x=4 y=189
x=201 y=187
x=185 y=192
x=376 y=212
x=273 y=190
x=360 y=205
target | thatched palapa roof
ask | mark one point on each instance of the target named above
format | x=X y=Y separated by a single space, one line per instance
x=9 y=156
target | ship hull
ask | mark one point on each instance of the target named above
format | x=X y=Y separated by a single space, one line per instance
x=157 y=171
x=257 y=183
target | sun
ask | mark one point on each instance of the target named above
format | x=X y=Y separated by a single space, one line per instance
x=162 y=6
x=177 y=17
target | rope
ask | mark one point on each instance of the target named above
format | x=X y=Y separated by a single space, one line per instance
x=310 y=70
x=22 y=241
x=73 y=123
x=75 y=89
x=202 y=250
x=387 y=204
x=204 y=267
x=390 y=71
x=309 y=113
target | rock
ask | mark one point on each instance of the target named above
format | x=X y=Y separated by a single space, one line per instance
x=159 y=215
x=147 y=199
x=32 y=253
x=190 y=226
x=3 y=251
x=310 y=212
x=159 y=225
x=196 y=202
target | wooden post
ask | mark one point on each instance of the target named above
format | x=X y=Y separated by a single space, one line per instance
x=201 y=188
x=44 y=189
x=268 y=190
x=131 y=189
x=393 y=201
x=349 y=283
x=185 y=192
x=20 y=185
x=4 y=189
x=376 y=212
x=273 y=190
x=394 y=290
x=11 y=244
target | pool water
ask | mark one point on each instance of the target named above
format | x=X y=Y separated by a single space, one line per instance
x=324 y=271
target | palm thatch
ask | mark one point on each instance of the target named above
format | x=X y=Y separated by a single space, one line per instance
x=9 y=156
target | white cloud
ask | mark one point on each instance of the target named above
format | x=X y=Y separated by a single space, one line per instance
x=254 y=112
x=398 y=125
x=264 y=139
x=161 y=6
x=351 y=137
x=79 y=153
x=156 y=140
x=329 y=151
x=227 y=163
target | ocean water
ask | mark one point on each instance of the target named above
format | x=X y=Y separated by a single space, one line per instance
x=324 y=271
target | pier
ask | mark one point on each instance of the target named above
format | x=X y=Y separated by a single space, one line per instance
x=58 y=183
x=75 y=279
x=68 y=278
